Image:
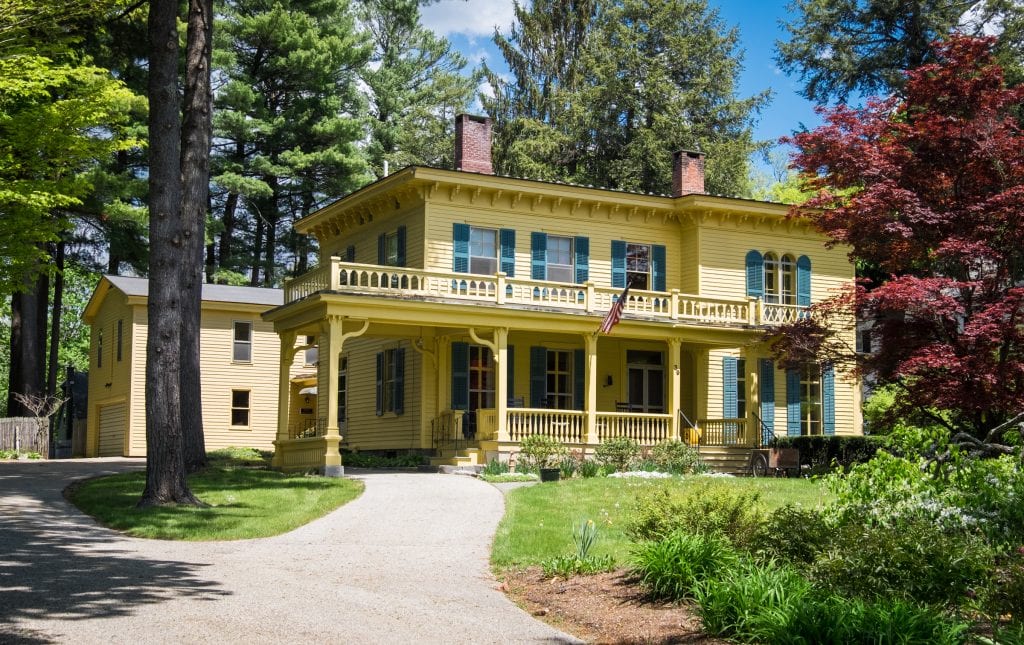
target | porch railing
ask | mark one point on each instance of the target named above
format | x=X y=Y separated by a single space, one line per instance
x=501 y=289
x=646 y=429
x=446 y=430
x=307 y=428
x=565 y=426
x=725 y=432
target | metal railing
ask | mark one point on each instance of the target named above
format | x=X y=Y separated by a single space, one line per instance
x=307 y=428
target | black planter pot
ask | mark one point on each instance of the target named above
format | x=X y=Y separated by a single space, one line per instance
x=550 y=474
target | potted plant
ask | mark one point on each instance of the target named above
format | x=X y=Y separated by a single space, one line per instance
x=543 y=454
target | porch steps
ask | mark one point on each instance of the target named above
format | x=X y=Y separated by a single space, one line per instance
x=466 y=458
x=732 y=460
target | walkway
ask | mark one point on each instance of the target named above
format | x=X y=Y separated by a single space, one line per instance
x=405 y=562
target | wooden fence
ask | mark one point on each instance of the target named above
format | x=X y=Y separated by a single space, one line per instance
x=29 y=439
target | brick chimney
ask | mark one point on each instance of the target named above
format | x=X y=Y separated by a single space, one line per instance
x=473 y=144
x=687 y=173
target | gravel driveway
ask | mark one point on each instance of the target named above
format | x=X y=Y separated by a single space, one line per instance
x=405 y=562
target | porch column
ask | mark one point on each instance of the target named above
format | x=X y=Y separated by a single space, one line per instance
x=334 y=332
x=591 y=378
x=674 y=382
x=284 y=391
x=501 y=372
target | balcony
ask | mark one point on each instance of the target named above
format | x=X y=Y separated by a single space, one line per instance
x=498 y=289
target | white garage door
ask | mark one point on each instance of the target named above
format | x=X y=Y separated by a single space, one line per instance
x=113 y=425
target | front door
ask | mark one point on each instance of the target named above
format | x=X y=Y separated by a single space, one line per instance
x=481 y=386
x=646 y=380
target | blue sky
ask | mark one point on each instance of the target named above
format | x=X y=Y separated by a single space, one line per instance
x=469 y=25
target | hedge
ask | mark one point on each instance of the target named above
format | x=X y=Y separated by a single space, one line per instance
x=823 y=450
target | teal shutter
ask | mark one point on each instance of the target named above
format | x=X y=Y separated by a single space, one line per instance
x=803 y=281
x=539 y=256
x=793 y=403
x=730 y=404
x=382 y=249
x=538 y=377
x=579 y=380
x=460 y=248
x=618 y=264
x=755 y=274
x=507 y=237
x=350 y=253
x=658 y=267
x=401 y=234
x=582 y=249
x=828 y=400
x=380 y=383
x=510 y=371
x=399 y=380
x=460 y=376
x=767 y=394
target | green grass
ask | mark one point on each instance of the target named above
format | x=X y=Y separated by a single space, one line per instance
x=243 y=503
x=538 y=519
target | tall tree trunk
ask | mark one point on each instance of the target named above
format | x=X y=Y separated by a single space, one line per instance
x=55 y=315
x=165 y=463
x=28 y=343
x=257 y=249
x=272 y=214
x=195 y=178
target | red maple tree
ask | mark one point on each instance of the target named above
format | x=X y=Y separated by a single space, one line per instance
x=928 y=191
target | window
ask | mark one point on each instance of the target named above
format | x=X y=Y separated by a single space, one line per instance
x=391 y=249
x=810 y=400
x=645 y=381
x=559 y=380
x=387 y=379
x=120 y=338
x=741 y=388
x=481 y=378
x=312 y=354
x=779 y=279
x=483 y=251
x=241 y=351
x=240 y=408
x=560 y=261
x=99 y=350
x=864 y=341
x=638 y=265
x=343 y=390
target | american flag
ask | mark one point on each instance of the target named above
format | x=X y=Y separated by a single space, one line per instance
x=614 y=314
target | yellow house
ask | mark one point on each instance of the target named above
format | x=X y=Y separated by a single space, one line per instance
x=457 y=312
x=240 y=364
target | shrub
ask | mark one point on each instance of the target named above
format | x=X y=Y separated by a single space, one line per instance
x=827 y=451
x=701 y=509
x=495 y=467
x=672 y=567
x=8 y=454
x=793 y=535
x=678 y=458
x=589 y=468
x=1004 y=593
x=570 y=464
x=540 y=451
x=617 y=453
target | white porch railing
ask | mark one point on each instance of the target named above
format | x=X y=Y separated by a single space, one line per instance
x=646 y=429
x=564 y=426
x=500 y=289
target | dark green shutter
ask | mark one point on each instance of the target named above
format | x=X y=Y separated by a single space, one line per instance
x=510 y=371
x=538 y=377
x=460 y=248
x=730 y=405
x=755 y=274
x=767 y=394
x=399 y=393
x=539 y=256
x=507 y=254
x=401 y=234
x=581 y=246
x=793 y=403
x=658 y=267
x=618 y=264
x=460 y=376
x=803 y=281
x=579 y=378
x=350 y=253
x=382 y=249
x=828 y=400
x=380 y=383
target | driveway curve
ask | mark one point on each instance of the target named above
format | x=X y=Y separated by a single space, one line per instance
x=405 y=562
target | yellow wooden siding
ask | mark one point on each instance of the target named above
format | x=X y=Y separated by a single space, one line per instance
x=599 y=229
x=364 y=237
x=110 y=382
x=689 y=261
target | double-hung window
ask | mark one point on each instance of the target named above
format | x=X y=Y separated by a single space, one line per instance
x=810 y=400
x=241 y=350
x=240 y=404
x=638 y=266
x=560 y=266
x=483 y=250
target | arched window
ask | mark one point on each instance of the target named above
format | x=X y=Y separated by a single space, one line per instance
x=771 y=278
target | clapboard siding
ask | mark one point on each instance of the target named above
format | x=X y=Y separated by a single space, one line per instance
x=111 y=381
x=113 y=421
x=364 y=237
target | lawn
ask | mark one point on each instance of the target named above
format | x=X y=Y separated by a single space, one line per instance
x=538 y=519
x=244 y=502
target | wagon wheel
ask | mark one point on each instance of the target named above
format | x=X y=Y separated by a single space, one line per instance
x=758 y=464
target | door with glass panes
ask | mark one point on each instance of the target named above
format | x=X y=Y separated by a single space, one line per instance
x=645 y=380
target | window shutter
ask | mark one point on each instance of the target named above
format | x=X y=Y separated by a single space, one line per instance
x=793 y=403
x=460 y=248
x=803 y=281
x=767 y=394
x=350 y=253
x=730 y=405
x=399 y=380
x=618 y=264
x=380 y=383
x=382 y=249
x=401 y=234
x=582 y=247
x=828 y=400
x=755 y=274
x=460 y=376
x=508 y=251
x=538 y=377
x=510 y=371
x=539 y=256
x=658 y=267
x=579 y=380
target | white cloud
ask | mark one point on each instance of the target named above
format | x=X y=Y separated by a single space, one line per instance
x=470 y=18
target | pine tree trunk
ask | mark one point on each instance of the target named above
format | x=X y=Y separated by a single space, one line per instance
x=195 y=176
x=28 y=344
x=55 y=315
x=165 y=463
x=257 y=249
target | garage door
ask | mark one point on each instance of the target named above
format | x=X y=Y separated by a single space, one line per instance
x=113 y=425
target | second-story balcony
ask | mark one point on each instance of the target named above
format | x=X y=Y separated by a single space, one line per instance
x=501 y=290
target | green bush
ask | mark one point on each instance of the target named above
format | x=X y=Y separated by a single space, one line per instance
x=827 y=451
x=540 y=451
x=672 y=567
x=569 y=465
x=495 y=467
x=617 y=453
x=702 y=509
x=677 y=458
x=589 y=468
x=793 y=535
x=1004 y=593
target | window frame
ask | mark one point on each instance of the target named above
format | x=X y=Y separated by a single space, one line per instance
x=120 y=339
x=387 y=379
x=391 y=255
x=570 y=268
x=633 y=274
x=236 y=344
x=741 y=388
x=475 y=258
x=481 y=373
x=812 y=417
x=780 y=279
x=559 y=397
x=238 y=408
